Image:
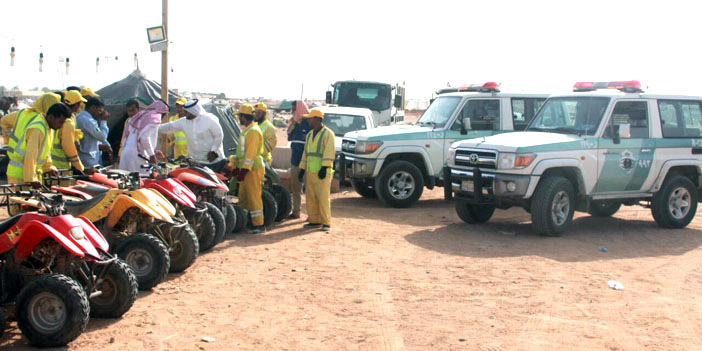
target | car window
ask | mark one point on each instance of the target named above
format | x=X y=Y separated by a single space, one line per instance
x=483 y=114
x=633 y=113
x=680 y=118
x=524 y=110
x=342 y=124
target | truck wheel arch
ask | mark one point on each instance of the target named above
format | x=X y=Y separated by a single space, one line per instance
x=568 y=168
x=689 y=168
x=417 y=157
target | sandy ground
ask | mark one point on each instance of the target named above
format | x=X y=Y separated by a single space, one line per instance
x=420 y=279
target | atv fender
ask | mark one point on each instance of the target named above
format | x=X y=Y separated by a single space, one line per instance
x=153 y=195
x=93 y=234
x=125 y=202
x=186 y=191
x=72 y=191
x=188 y=178
x=181 y=199
x=34 y=232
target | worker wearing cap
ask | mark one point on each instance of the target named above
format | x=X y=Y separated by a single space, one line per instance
x=86 y=93
x=270 y=138
x=180 y=143
x=248 y=167
x=318 y=161
x=64 y=153
x=8 y=121
x=31 y=143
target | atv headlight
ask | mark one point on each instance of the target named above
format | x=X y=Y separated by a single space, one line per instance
x=77 y=233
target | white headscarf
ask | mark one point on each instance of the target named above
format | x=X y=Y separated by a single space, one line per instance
x=195 y=109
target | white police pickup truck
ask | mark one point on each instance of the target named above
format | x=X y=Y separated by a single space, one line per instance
x=395 y=163
x=589 y=151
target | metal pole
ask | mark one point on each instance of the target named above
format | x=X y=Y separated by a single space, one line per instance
x=164 y=55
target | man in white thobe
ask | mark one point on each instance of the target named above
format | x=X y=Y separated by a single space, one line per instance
x=202 y=132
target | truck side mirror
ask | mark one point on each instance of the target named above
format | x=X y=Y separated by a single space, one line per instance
x=398 y=101
x=328 y=97
x=465 y=126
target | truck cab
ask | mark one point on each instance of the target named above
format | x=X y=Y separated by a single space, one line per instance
x=605 y=145
x=385 y=100
x=395 y=163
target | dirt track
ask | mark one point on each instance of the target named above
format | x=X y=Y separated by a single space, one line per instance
x=419 y=279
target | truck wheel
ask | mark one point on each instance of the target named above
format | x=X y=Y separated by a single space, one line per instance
x=147 y=256
x=283 y=199
x=675 y=204
x=184 y=251
x=220 y=224
x=604 y=208
x=364 y=188
x=241 y=219
x=52 y=310
x=474 y=214
x=399 y=184
x=119 y=290
x=552 y=206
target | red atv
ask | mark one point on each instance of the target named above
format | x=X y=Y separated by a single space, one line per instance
x=57 y=271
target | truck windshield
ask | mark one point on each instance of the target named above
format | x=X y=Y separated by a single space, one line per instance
x=342 y=124
x=369 y=95
x=439 y=112
x=570 y=115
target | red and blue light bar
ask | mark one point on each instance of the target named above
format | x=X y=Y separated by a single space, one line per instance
x=486 y=87
x=627 y=86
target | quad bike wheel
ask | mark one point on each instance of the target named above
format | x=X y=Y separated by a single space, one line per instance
x=184 y=250
x=147 y=256
x=52 y=310
x=119 y=290
x=220 y=225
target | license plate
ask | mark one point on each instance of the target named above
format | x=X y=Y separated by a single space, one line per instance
x=467 y=185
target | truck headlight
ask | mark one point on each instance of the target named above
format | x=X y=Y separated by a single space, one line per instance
x=451 y=160
x=367 y=147
x=510 y=160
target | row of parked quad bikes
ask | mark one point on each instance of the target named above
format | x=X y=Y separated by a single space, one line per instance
x=83 y=245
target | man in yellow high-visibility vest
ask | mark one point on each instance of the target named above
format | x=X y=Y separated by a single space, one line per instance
x=64 y=153
x=178 y=139
x=249 y=169
x=318 y=162
x=270 y=137
x=31 y=145
x=40 y=106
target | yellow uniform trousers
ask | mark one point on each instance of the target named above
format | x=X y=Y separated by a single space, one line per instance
x=180 y=150
x=317 y=195
x=250 y=195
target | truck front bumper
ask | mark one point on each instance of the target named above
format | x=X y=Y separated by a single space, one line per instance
x=480 y=187
x=355 y=167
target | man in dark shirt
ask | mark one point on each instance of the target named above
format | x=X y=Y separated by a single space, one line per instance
x=297 y=132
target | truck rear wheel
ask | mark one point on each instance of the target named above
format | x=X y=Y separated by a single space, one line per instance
x=399 y=184
x=552 y=206
x=364 y=187
x=474 y=214
x=675 y=205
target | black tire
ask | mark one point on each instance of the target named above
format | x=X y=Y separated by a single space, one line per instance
x=119 y=290
x=240 y=219
x=229 y=213
x=205 y=230
x=474 y=214
x=364 y=187
x=675 y=215
x=184 y=250
x=283 y=199
x=220 y=225
x=270 y=208
x=389 y=177
x=147 y=256
x=59 y=288
x=604 y=208
x=542 y=202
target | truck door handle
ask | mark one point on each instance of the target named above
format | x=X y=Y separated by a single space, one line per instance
x=611 y=153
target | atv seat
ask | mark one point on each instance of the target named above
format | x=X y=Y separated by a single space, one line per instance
x=77 y=208
x=6 y=224
x=92 y=189
x=216 y=166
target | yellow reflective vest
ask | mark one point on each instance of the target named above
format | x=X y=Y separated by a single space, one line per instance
x=178 y=137
x=18 y=144
x=270 y=139
x=250 y=148
x=319 y=151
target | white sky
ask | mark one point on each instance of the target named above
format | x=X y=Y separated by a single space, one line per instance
x=269 y=48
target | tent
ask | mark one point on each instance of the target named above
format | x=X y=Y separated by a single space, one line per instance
x=285 y=105
x=135 y=85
